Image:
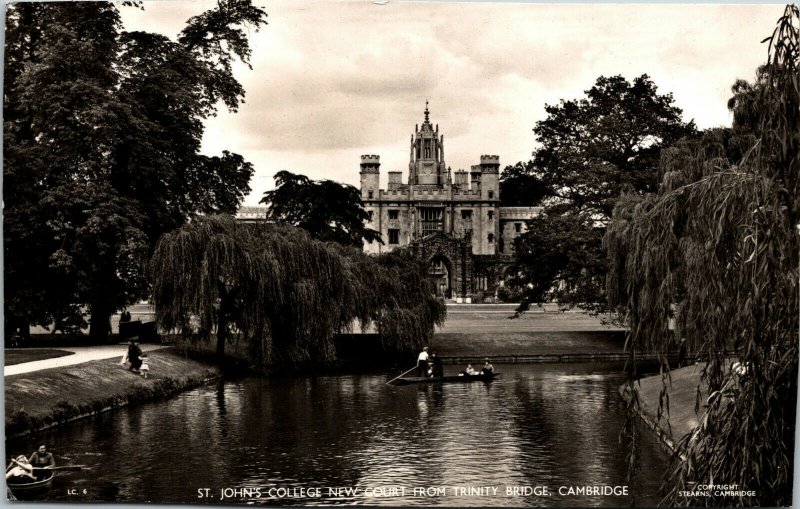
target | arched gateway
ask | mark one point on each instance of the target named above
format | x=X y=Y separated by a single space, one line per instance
x=449 y=261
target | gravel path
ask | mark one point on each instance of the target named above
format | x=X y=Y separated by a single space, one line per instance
x=80 y=355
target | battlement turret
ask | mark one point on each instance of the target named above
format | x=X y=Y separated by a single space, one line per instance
x=490 y=164
x=370 y=175
x=370 y=163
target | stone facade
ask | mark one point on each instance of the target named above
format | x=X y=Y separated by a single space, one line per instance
x=453 y=219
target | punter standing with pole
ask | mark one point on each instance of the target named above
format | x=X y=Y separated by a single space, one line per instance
x=422 y=362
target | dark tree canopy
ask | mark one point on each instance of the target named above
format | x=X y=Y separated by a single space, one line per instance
x=326 y=209
x=591 y=150
x=102 y=150
x=718 y=247
x=519 y=187
x=595 y=147
x=286 y=293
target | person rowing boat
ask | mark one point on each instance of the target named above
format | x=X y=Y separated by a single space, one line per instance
x=20 y=469
x=42 y=459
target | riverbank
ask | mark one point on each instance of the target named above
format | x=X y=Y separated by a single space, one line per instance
x=682 y=419
x=41 y=399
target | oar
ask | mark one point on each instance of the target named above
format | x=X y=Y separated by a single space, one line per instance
x=400 y=375
x=67 y=468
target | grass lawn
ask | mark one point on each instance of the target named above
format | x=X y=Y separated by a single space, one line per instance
x=496 y=319
x=488 y=330
x=21 y=355
x=499 y=343
x=60 y=393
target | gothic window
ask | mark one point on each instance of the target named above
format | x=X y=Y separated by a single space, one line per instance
x=491 y=214
x=517 y=227
x=370 y=214
x=394 y=214
x=394 y=236
x=466 y=215
x=431 y=218
x=369 y=195
x=491 y=194
x=491 y=238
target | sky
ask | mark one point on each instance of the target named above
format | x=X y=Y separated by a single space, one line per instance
x=332 y=80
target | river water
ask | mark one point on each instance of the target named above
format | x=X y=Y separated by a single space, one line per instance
x=352 y=439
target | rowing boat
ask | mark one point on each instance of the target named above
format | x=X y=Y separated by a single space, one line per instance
x=23 y=489
x=450 y=378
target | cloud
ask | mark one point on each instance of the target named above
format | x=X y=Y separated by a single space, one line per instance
x=333 y=80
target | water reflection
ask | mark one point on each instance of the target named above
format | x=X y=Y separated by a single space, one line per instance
x=540 y=425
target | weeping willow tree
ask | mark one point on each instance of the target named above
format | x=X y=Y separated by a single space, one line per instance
x=717 y=247
x=285 y=293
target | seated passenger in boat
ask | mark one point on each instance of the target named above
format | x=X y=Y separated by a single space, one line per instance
x=488 y=369
x=470 y=370
x=20 y=469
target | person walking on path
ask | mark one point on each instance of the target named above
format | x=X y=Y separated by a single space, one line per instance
x=134 y=356
x=422 y=362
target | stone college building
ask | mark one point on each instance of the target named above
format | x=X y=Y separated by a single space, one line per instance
x=452 y=220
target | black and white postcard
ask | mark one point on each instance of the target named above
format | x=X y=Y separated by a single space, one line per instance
x=390 y=253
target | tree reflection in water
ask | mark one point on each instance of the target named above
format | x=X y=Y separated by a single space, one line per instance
x=538 y=425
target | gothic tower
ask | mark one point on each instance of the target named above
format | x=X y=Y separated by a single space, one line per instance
x=426 y=166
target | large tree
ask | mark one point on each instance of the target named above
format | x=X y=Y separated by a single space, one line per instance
x=591 y=149
x=520 y=187
x=326 y=209
x=286 y=293
x=102 y=150
x=718 y=248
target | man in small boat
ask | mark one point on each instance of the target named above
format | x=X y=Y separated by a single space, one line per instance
x=41 y=458
x=20 y=469
x=488 y=369
x=437 y=369
x=422 y=362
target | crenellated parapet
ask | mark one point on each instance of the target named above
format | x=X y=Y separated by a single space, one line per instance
x=370 y=163
x=490 y=164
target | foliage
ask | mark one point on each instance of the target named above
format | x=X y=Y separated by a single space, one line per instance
x=719 y=242
x=504 y=294
x=102 y=134
x=284 y=292
x=326 y=209
x=519 y=187
x=569 y=254
x=591 y=150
